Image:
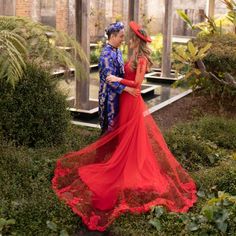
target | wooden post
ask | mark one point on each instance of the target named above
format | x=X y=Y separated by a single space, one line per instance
x=210 y=8
x=167 y=39
x=82 y=10
x=35 y=10
x=134 y=10
x=133 y=16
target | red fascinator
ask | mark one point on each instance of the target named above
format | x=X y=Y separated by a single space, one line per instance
x=139 y=31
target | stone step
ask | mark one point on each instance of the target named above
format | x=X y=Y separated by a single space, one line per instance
x=155 y=76
x=91 y=112
x=60 y=71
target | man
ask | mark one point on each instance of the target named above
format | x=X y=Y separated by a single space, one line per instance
x=111 y=63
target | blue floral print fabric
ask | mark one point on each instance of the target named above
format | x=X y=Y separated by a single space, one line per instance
x=110 y=63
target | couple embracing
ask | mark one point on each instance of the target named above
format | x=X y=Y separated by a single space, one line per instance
x=129 y=168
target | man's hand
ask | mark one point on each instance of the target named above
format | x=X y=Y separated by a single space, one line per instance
x=112 y=78
x=132 y=91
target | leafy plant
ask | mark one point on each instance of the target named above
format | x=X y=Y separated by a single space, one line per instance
x=13 y=54
x=156 y=47
x=185 y=61
x=217 y=211
x=211 y=25
x=231 y=15
x=207 y=27
x=54 y=227
x=199 y=144
x=95 y=54
x=5 y=225
x=34 y=113
x=44 y=45
x=209 y=63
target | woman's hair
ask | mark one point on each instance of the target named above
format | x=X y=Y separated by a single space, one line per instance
x=143 y=50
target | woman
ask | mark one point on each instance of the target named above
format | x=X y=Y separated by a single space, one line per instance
x=129 y=168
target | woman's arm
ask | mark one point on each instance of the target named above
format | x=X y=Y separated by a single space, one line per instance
x=140 y=72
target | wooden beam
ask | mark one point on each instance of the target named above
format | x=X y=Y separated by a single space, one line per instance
x=210 y=8
x=167 y=39
x=82 y=10
x=134 y=13
x=35 y=10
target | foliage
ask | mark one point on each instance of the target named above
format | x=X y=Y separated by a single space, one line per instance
x=27 y=197
x=221 y=177
x=5 y=225
x=199 y=144
x=209 y=67
x=13 y=53
x=231 y=15
x=44 y=44
x=34 y=113
x=156 y=47
x=211 y=25
x=185 y=61
x=216 y=215
x=124 y=51
x=95 y=53
x=221 y=57
x=26 y=192
x=207 y=27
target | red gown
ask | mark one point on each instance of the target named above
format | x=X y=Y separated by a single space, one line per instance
x=128 y=169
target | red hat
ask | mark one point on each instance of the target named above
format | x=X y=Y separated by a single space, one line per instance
x=138 y=30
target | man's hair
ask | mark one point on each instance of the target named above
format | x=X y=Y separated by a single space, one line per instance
x=112 y=33
x=114 y=29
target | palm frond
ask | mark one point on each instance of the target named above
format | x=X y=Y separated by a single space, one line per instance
x=12 y=57
x=43 y=44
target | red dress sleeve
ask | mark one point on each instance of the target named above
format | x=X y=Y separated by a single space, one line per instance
x=140 y=72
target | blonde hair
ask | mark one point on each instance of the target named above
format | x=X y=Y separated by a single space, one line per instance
x=143 y=50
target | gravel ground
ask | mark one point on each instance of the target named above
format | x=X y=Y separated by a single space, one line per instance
x=191 y=108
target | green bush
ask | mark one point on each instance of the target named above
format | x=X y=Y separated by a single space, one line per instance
x=34 y=112
x=221 y=57
x=202 y=143
x=221 y=177
x=219 y=131
x=217 y=78
x=26 y=191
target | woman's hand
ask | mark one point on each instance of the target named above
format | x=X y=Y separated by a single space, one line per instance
x=112 y=78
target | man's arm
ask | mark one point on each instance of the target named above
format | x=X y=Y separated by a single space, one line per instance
x=107 y=68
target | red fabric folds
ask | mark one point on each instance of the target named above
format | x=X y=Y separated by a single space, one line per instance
x=128 y=169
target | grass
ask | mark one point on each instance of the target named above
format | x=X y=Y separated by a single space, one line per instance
x=27 y=197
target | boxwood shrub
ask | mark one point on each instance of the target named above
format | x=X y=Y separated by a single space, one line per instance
x=34 y=112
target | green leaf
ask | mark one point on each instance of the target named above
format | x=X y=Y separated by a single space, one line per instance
x=208 y=212
x=185 y=18
x=202 y=51
x=184 y=218
x=222 y=226
x=63 y=233
x=192 y=226
x=197 y=71
x=156 y=223
x=2 y=223
x=11 y=222
x=192 y=49
x=51 y=225
x=212 y=159
x=201 y=194
x=158 y=211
